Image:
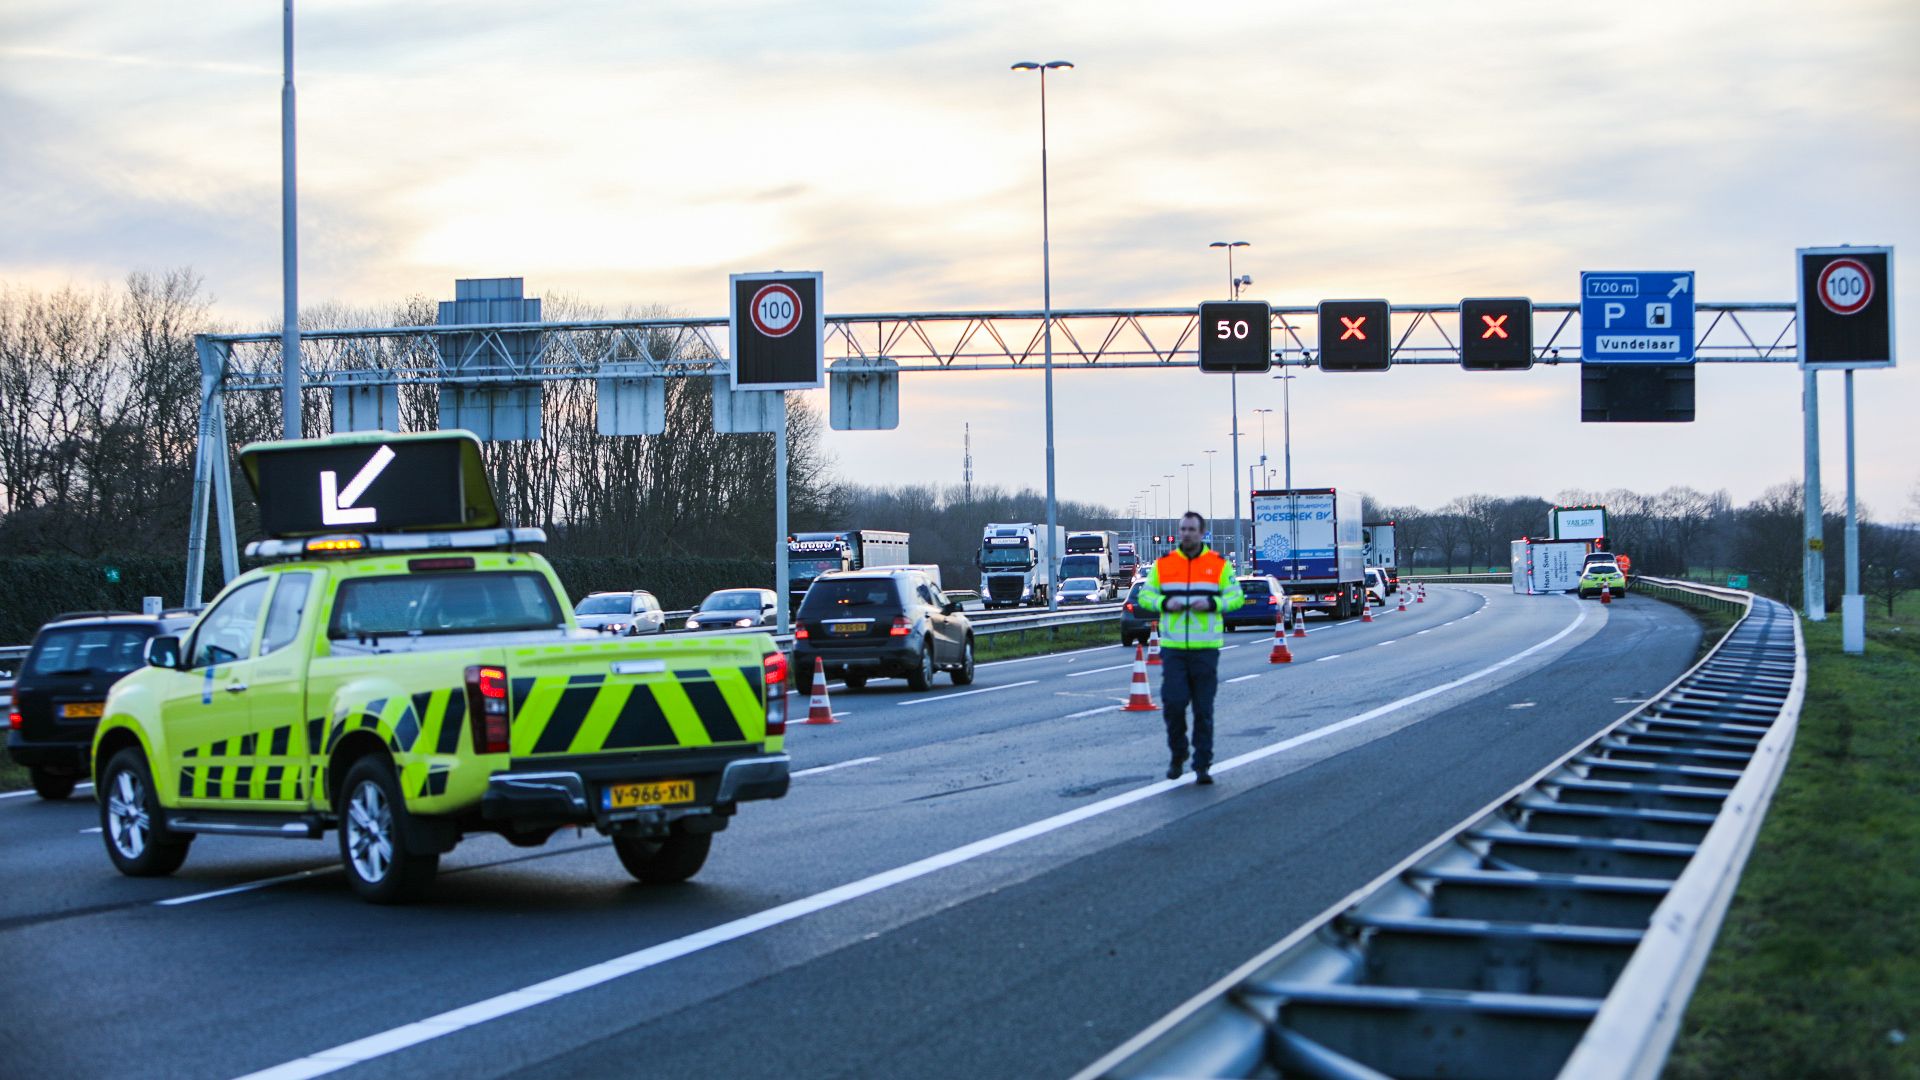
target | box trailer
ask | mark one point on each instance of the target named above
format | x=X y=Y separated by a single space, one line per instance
x=1547 y=566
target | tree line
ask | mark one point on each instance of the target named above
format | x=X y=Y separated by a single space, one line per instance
x=99 y=409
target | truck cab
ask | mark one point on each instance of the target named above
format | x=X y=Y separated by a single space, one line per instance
x=404 y=689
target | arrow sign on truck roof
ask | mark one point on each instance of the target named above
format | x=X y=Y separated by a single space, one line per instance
x=377 y=481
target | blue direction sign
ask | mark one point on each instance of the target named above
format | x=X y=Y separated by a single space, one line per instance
x=1636 y=316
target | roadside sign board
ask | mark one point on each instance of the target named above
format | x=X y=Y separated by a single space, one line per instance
x=777 y=331
x=1636 y=316
x=1736 y=581
x=362 y=483
x=1496 y=334
x=1236 y=335
x=1845 y=307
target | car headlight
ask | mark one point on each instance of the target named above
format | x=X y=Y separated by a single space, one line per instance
x=614 y=628
x=743 y=622
x=693 y=624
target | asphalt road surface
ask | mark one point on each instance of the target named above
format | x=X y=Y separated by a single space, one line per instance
x=990 y=882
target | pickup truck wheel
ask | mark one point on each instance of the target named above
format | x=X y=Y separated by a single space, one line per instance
x=130 y=820
x=53 y=786
x=373 y=842
x=663 y=862
x=963 y=675
x=921 y=677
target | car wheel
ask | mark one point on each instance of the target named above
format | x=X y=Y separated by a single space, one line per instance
x=921 y=677
x=963 y=675
x=654 y=861
x=53 y=786
x=373 y=837
x=130 y=820
x=856 y=682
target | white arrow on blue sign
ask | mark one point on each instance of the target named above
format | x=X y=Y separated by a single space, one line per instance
x=1636 y=316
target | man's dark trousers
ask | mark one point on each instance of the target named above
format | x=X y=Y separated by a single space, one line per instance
x=1190 y=675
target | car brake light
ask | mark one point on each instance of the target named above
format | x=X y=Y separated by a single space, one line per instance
x=487 y=709
x=14 y=720
x=901 y=627
x=775 y=669
x=444 y=563
x=1129 y=605
x=800 y=632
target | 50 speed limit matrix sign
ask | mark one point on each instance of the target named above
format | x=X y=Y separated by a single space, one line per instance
x=1845 y=307
x=776 y=331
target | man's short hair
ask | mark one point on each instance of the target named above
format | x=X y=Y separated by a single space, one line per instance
x=1196 y=516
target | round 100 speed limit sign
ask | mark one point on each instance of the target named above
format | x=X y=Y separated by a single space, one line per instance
x=1845 y=286
x=775 y=310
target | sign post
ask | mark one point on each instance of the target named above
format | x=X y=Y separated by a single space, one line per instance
x=777 y=341
x=1845 y=314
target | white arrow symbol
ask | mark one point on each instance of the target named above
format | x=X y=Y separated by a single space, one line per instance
x=1680 y=285
x=336 y=506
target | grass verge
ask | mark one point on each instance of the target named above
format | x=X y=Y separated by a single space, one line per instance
x=13 y=777
x=1019 y=643
x=1816 y=972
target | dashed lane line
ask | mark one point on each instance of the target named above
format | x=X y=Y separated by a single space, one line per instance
x=405 y=1036
x=966 y=693
x=818 y=769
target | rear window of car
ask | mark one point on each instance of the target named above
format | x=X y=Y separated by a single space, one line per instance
x=426 y=604
x=88 y=650
x=1602 y=568
x=863 y=595
x=604 y=604
x=1255 y=586
x=733 y=600
x=1133 y=595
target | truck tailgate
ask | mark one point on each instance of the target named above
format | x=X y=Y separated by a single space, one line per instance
x=619 y=696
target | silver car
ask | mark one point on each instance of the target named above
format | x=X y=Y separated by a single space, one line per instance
x=624 y=613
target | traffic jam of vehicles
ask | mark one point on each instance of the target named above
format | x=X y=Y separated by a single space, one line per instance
x=422 y=676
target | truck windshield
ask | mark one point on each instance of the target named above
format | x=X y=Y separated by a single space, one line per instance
x=1080 y=566
x=487 y=601
x=618 y=603
x=812 y=566
x=1016 y=558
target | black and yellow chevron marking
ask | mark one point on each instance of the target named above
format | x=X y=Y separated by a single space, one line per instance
x=586 y=714
x=233 y=768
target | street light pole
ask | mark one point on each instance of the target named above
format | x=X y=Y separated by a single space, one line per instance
x=1188 y=465
x=1046 y=278
x=1239 y=521
x=1263 y=442
x=1210 y=454
x=1172 y=525
x=289 y=250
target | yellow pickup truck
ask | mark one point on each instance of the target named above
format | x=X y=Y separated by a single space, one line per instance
x=405 y=688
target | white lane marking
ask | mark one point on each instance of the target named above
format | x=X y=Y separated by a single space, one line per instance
x=95 y=829
x=1244 y=678
x=264 y=883
x=400 y=1038
x=1091 y=712
x=1097 y=670
x=1224 y=648
x=1324 y=659
x=1523 y=705
x=1378 y=644
x=966 y=693
x=1428 y=630
x=29 y=791
x=818 y=769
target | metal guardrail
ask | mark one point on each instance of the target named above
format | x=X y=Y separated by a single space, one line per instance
x=1559 y=931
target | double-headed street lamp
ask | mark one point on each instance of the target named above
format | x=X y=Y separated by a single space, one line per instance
x=1209 y=454
x=1046 y=292
x=1239 y=522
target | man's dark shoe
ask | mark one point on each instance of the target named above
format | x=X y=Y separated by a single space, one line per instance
x=1174 y=770
x=1202 y=776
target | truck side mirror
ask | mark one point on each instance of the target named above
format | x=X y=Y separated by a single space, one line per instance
x=163 y=651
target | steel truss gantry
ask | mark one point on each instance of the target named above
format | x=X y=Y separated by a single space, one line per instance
x=1094 y=339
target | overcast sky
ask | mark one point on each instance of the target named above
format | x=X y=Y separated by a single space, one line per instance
x=634 y=154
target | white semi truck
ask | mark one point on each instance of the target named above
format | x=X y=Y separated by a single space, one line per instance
x=1377 y=537
x=1309 y=539
x=810 y=554
x=1588 y=523
x=1014 y=562
x=1547 y=566
x=1095 y=554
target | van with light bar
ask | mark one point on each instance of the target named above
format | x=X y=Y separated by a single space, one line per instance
x=405 y=670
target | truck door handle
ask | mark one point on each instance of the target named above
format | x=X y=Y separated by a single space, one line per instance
x=236 y=687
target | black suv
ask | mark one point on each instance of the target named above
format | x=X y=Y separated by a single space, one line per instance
x=62 y=690
x=865 y=624
x=1136 y=622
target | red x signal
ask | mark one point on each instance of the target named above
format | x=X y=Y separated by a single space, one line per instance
x=1353 y=328
x=1495 y=327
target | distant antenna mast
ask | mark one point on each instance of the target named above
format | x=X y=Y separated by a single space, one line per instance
x=966 y=473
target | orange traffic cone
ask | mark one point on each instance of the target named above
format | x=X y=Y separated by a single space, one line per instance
x=1606 y=594
x=1366 y=608
x=818 y=711
x=1281 y=654
x=1141 y=699
x=1403 y=599
x=1299 y=621
x=1153 y=643
x=1421 y=596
